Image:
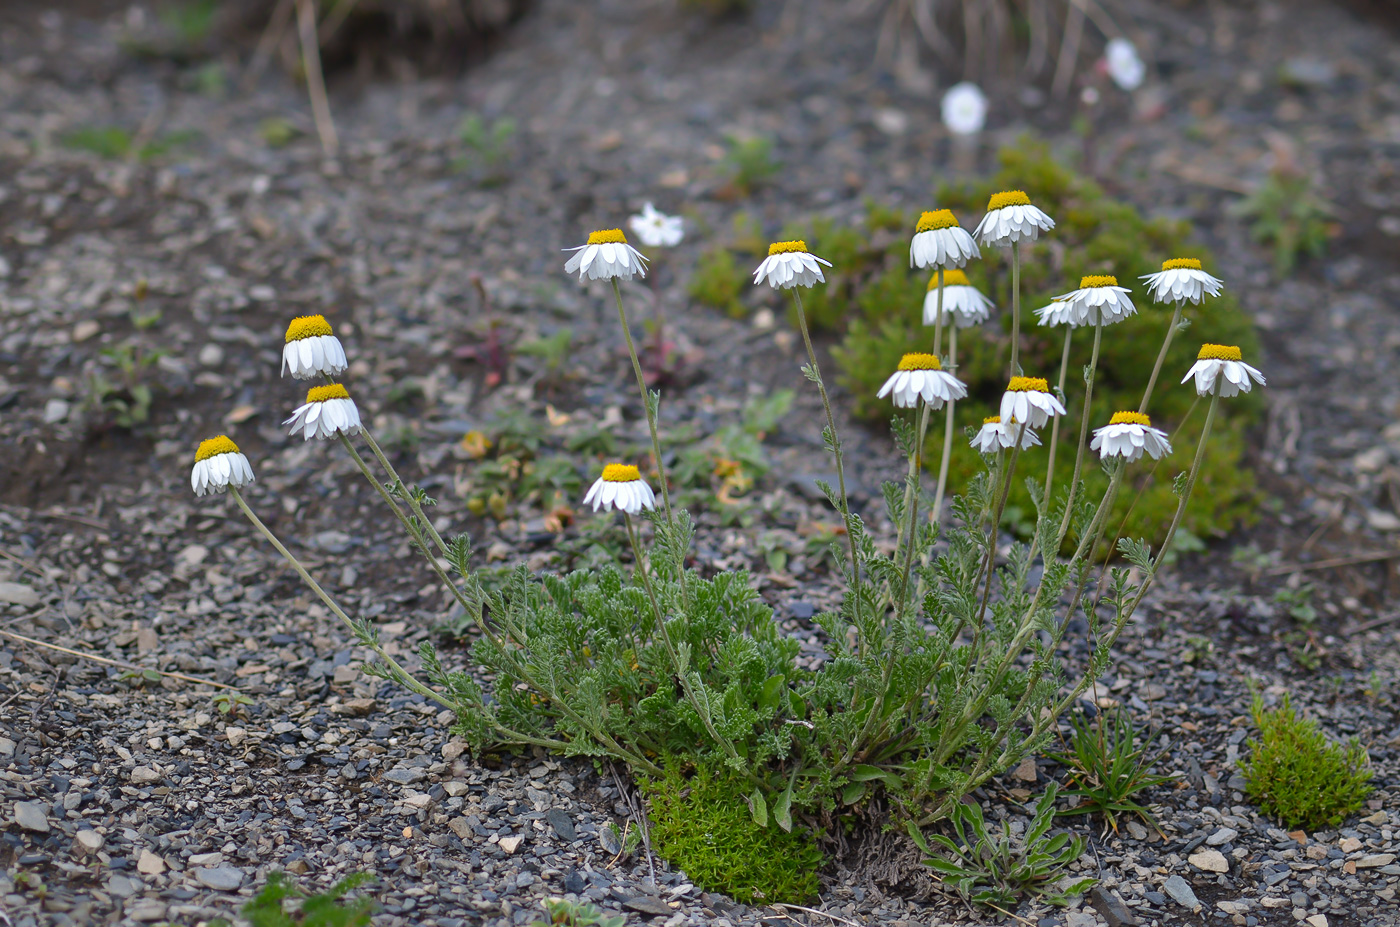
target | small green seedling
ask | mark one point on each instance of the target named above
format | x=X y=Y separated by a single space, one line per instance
x=1108 y=765
x=560 y=912
x=276 y=905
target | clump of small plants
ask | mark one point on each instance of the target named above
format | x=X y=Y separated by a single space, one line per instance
x=281 y=903
x=561 y=912
x=1108 y=765
x=946 y=660
x=1299 y=777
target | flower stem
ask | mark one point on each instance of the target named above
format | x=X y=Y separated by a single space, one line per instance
x=996 y=522
x=1083 y=433
x=1055 y=425
x=1015 y=308
x=646 y=403
x=938 y=319
x=936 y=513
x=1161 y=356
x=816 y=377
x=407 y=492
x=911 y=504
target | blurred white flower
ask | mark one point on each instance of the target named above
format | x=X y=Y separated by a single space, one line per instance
x=606 y=255
x=963 y=303
x=994 y=436
x=1182 y=279
x=789 y=264
x=922 y=376
x=964 y=109
x=1222 y=360
x=1124 y=66
x=1127 y=435
x=656 y=229
x=620 y=487
x=218 y=464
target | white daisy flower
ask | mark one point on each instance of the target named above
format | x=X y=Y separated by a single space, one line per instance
x=922 y=375
x=656 y=229
x=620 y=487
x=994 y=436
x=1220 y=360
x=1127 y=435
x=312 y=349
x=607 y=255
x=964 y=108
x=1010 y=218
x=1098 y=299
x=1059 y=312
x=1123 y=64
x=788 y=264
x=1029 y=400
x=963 y=303
x=219 y=464
x=1181 y=279
x=940 y=242
x=328 y=410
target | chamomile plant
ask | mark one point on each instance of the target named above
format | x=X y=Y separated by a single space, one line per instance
x=943 y=665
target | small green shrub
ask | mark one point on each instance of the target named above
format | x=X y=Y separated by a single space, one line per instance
x=720 y=282
x=489 y=148
x=704 y=824
x=116 y=143
x=560 y=912
x=1289 y=215
x=328 y=909
x=995 y=870
x=1108 y=766
x=749 y=163
x=877 y=299
x=1296 y=775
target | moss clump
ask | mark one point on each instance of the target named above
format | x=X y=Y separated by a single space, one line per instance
x=718 y=281
x=1298 y=776
x=1094 y=234
x=703 y=825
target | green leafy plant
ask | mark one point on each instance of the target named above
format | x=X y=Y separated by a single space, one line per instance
x=230 y=702
x=720 y=282
x=122 y=399
x=560 y=912
x=277 y=904
x=1298 y=604
x=553 y=349
x=749 y=163
x=118 y=144
x=1287 y=213
x=1109 y=764
x=489 y=148
x=1299 y=777
x=707 y=824
x=997 y=869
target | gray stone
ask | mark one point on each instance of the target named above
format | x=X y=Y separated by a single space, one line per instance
x=1080 y=919
x=18 y=594
x=404 y=776
x=1179 y=890
x=147 y=911
x=87 y=842
x=1111 y=908
x=1222 y=836
x=220 y=878
x=120 y=886
x=562 y=824
x=645 y=904
x=1209 y=861
x=145 y=775
x=31 y=816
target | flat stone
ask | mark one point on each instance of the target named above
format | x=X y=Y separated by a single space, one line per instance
x=235 y=735
x=1209 y=861
x=144 y=775
x=18 y=594
x=121 y=886
x=1222 y=836
x=461 y=827
x=150 y=863
x=1269 y=901
x=1349 y=844
x=1375 y=860
x=1233 y=907
x=1317 y=920
x=1111 y=908
x=1081 y=919
x=147 y=910
x=562 y=824
x=219 y=878
x=404 y=775
x=87 y=842
x=646 y=904
x=1179 y=890
x=1379 y=818
x=1026 y=772
x=31 y=816
x=207 y=859
x=455 y=788
x=511 y=844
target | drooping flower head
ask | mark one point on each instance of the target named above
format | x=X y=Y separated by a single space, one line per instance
x=1123 y=64
x=1227 y=363
x=328 y=411
x=1098 y=299
x=1029 y=400
x=620 y=487
x=1182 y=279
x=995 y=435
x=219 y=464
x=939 y=241
x=607 y=255
x=789 y=264
x=656 y=229
x=921 y=376
x=1011 y=218
x=312 y=349
x=964 y=108
x=963 y=303
x=1127 y=435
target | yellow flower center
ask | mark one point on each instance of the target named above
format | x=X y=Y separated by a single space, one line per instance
x=322 y=393
x=607 y=237
x=786 y=247
x=1181 y=264
x=919 y=362
x=938 y=219
x=950 y=278
x=621 y=473
x=1008 y=198
x=1028 y=385
x=992 y=420
x=1096 y=281
x=307 y=326
x=1226 y=352
x=213 y=447
x=1129 y=418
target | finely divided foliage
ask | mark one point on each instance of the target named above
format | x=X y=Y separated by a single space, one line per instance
x=942 y=665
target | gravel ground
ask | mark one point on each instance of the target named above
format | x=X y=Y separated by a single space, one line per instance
x=125 y=802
